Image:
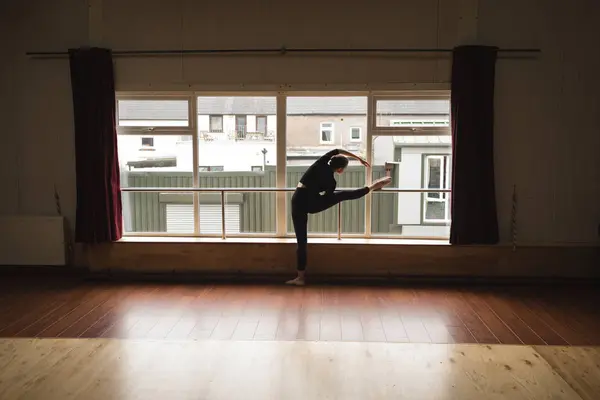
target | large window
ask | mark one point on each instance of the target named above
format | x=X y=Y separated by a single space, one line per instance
x=224 y=165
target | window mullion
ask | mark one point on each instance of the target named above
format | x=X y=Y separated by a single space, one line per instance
x=193 y=122
x=280 y=174
x=368 y=172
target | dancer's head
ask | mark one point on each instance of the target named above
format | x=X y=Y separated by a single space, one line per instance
x=338 y=163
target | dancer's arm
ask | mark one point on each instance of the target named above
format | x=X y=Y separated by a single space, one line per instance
x=324 y=159
x=351 y=155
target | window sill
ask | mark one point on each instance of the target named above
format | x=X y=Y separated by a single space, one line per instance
x=261 y=240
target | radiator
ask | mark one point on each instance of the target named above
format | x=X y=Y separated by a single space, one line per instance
x=32 y=240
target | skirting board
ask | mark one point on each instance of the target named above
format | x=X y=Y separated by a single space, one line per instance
x=350 y=260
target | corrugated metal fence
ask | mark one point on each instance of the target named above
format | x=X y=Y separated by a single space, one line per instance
x=146 y=212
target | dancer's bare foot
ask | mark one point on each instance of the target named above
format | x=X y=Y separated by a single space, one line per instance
x=296 y=281
x=299 y=280
x=379 y=183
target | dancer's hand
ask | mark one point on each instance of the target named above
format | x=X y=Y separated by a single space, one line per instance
x=348 y=154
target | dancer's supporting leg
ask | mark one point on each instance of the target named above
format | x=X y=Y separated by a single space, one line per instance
x=300 y=220
x=301 y=207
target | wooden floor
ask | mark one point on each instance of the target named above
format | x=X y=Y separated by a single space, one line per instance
x=60 y=369
x=56 y=307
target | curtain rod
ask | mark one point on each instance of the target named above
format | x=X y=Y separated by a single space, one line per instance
x=281 y=51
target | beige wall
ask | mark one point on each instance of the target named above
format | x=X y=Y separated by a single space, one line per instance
x=546 y=134
x=306 y=130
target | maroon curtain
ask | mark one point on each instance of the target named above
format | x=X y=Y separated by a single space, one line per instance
x=474 y=219
x=99 y=214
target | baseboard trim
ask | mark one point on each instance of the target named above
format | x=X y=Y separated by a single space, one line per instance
x=173 y=277
x=382 y=261
x=320 y=280
x=42 y=270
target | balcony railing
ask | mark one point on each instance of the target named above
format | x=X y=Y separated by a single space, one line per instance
x=222 y=191
x=237 y=135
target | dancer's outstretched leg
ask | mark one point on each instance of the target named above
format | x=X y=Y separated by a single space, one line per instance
x=331 y=200
x=379 y=183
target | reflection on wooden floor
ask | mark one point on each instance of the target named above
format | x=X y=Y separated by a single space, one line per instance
x=46 y=307
x=52 y=369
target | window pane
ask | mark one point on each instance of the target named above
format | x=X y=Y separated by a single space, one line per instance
x=355 y=134
x=216 y=123
x=311 y=126
x=434 y=176
x=413 y=162
x=400 y=215
x=245 y=213
x=435 y=171
x=435 y=210
x=158 y=212
x=154 y=161
x=240 y=126
x=261 y=124
x=153 y=113
x=237 y=156
x=413 y=113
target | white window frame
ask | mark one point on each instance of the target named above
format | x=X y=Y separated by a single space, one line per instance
x=330 y=129
x=445 y=169
x=359 y=134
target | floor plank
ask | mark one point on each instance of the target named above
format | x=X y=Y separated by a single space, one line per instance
x=578 y=366
x=490 y=318
x=53 y=369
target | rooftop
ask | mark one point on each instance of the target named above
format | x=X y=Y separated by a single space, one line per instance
x=220 y=105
